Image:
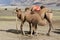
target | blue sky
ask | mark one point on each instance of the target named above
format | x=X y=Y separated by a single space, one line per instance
x=6 y=2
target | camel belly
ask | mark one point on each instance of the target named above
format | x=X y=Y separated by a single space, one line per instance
x=43 y=23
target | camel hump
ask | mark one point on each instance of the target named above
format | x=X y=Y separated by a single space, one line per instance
x=27 y=8
x=42 y=7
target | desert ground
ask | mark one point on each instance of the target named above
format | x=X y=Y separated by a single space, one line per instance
x=8 y=28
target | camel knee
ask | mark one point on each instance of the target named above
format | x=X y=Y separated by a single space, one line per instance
x=21 y=25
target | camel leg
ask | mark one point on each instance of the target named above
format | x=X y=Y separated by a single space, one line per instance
x=30 y=27
x=22 y=27
x=31 y=30
x=49 y=19
x=35 y=29
x=50 y=26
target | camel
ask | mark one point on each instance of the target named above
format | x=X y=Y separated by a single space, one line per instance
x=47 y=14
x=40 y=18
x=31 y=19
x=35 y=19
x=21 y=16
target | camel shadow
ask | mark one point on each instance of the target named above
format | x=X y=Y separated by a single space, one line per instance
x=18 y=32
x=14 y=31
x=57 y=31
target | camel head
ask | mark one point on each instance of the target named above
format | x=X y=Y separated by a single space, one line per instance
x=18 y=11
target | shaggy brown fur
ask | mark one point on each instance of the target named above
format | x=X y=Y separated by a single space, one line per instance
x=21 y=15
x=46 y=14
x=34 y=19
x=40 y=18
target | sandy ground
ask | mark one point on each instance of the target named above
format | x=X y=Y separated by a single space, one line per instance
x=8 y=29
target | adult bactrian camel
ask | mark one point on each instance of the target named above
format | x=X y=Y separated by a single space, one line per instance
x=34 y=18
x=21 y=15
x=47 y=14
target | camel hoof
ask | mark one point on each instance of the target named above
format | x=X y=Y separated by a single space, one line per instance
x=23 y=33
x=29 y=32
x=31 y=35
x=34 y=33
x=48 y=34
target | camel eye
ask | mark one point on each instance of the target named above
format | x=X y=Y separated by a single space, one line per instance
x=16 y=10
